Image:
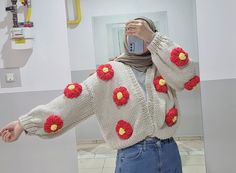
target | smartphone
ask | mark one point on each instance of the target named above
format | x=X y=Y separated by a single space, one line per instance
x=135 y=45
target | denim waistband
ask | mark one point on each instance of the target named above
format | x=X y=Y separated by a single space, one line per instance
x=150 y=140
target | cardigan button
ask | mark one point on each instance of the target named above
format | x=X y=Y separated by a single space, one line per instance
x=162 y=82
x=53 y=127
x=105 y=69
x=182 y=56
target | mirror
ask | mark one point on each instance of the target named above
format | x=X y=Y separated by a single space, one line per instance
x=106 y=23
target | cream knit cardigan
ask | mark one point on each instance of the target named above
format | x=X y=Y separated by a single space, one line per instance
x=146 y=118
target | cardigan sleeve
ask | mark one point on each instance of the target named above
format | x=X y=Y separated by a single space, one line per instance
x=173 y=63
x=62 y=113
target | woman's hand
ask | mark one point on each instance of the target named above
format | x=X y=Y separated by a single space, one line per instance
x=141 y=29
x=11 y=132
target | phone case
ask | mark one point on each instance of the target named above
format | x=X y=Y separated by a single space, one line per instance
x=135 y=45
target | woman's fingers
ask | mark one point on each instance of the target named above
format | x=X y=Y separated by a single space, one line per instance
x=11 y=132
x=7 y=128
x=132 y=27
x=1 y=132
x=132 y=21
x=7 y=137
x=130 y=32
x=134 y=24
x=4 y=135
x=137 y=29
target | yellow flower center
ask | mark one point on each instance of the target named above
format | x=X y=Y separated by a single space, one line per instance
x=162 y=82
x=53 y=127
x=182 y=56
x=71 y=87
x=174 y=119
x=121 y=131
x=119 y=95
x=105 y=69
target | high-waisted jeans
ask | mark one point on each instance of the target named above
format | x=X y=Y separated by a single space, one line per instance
x=151 y=155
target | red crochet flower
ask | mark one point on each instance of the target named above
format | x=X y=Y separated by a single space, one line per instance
x=53 y=123
x=105 y=72
x=120 y=96
x=124 y=129
x=171 y=117
x=73 y=90
x=192 y=83
x=179 y=57
x=160 y=84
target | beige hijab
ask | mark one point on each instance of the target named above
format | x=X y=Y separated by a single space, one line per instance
x=138 y=62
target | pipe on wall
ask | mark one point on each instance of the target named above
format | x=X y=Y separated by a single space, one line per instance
x=77 y=19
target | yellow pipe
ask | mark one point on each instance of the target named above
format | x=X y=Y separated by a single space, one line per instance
x=78 y=15
x=28 y=15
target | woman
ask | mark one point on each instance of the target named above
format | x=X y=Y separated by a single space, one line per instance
x=133 y=98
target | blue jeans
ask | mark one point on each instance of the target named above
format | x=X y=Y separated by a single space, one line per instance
x=151 y=155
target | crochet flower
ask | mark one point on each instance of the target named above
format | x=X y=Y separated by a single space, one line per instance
x=179 y=57
x=73 y=90
x=160 y=84
x=120 y=96
x=192 y=83
x=53 y=123
x=171 y=117
x=124 y=129
x=105 y=72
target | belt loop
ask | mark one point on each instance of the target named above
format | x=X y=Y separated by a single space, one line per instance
x=158 y=143
x=144 y=145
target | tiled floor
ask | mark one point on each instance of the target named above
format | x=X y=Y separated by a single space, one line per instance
x=98 y=157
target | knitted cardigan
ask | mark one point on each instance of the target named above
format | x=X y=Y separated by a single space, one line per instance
x=114 y=95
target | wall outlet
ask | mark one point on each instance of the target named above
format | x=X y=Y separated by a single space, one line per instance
x=10 y=77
